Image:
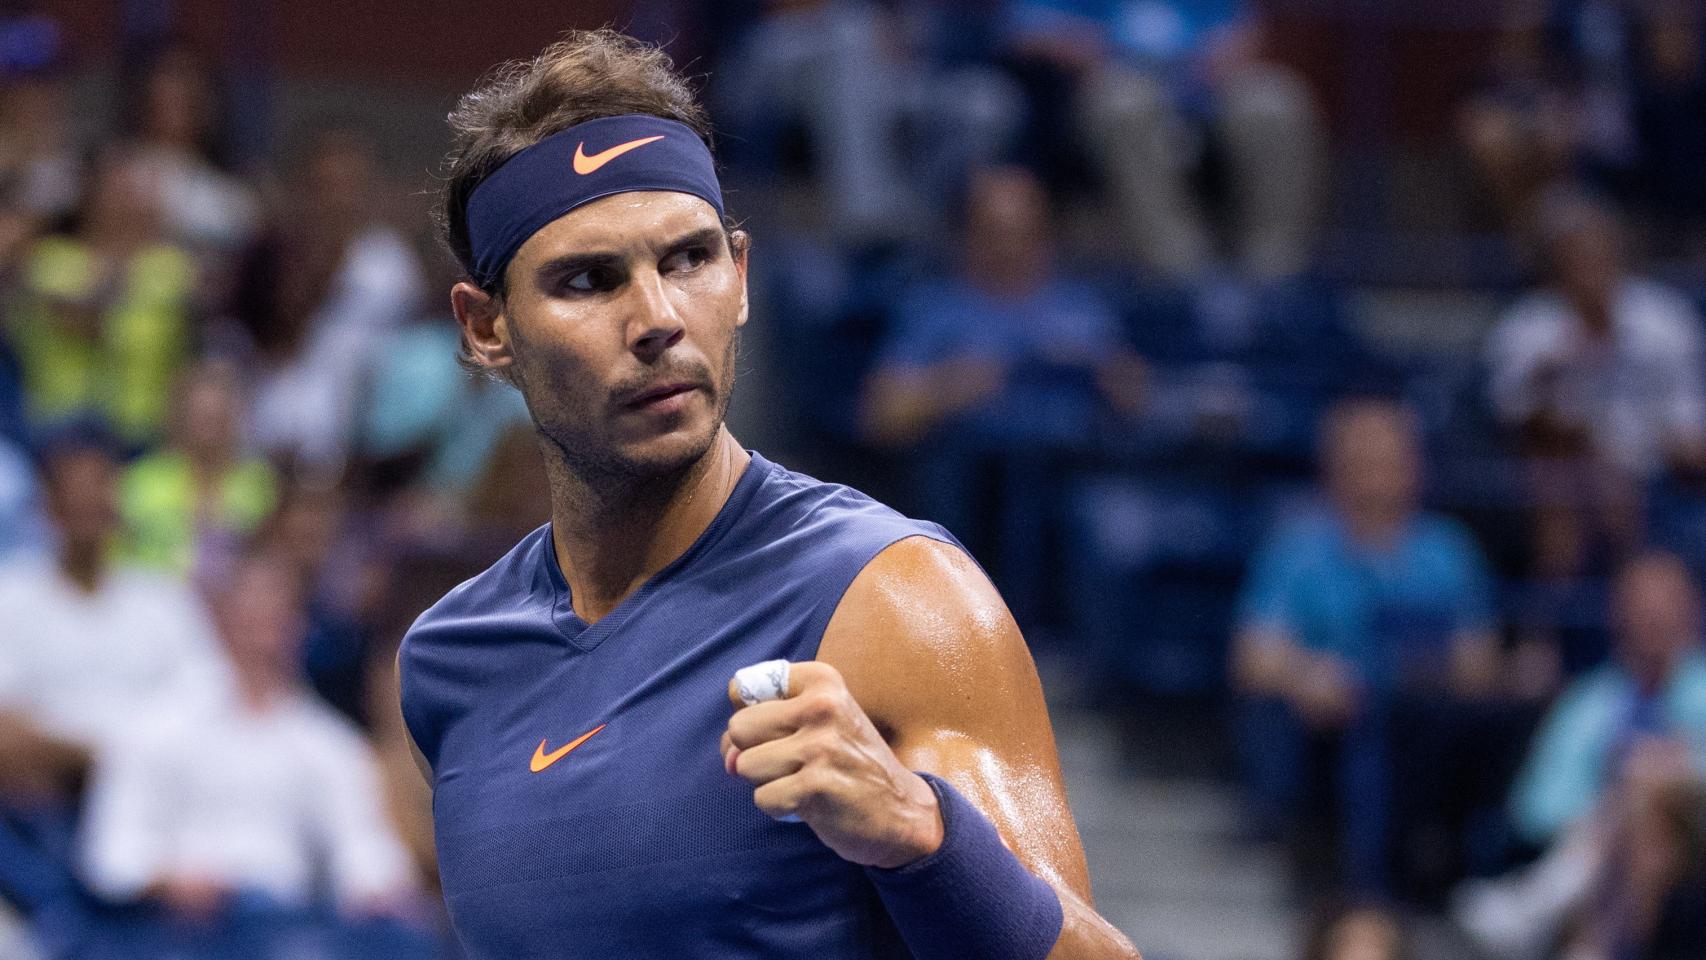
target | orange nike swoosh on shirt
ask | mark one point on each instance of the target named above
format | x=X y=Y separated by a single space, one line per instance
x=585 y=164
x=541 y=759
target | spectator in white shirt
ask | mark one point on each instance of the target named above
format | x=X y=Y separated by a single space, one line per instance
x=88 y=647
x=266 y=791
x=318 y=298
x=1600 y=376
x=177 y=112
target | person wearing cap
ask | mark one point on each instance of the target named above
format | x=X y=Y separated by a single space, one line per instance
x=898 y=794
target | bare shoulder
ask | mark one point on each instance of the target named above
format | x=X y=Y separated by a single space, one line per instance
x=929 y=651
x=923 y=639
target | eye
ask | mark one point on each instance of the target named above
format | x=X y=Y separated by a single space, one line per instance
x=594 y=280
x=687 y=260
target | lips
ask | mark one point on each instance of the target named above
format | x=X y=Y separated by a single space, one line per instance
x=659 y=393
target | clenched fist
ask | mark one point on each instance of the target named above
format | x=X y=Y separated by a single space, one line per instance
x=814 y=755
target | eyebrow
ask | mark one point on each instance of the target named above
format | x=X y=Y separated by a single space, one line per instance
x=570 y=264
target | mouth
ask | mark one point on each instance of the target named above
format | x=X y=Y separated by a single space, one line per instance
x=663 y=395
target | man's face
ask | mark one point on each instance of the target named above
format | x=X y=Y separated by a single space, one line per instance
x=1007 y=230
x=209 y=410
x=620 y=324
x=1373 y=461
x=261 y=617
x=1658 y=617
x=82 y=495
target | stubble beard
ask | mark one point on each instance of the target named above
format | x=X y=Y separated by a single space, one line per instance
x=598 y=464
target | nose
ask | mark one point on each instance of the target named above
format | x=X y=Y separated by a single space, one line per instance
x=655 y=324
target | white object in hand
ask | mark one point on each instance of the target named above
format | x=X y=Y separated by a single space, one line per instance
x=762 y=681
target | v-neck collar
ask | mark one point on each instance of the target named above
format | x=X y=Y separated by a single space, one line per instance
x=585 y=636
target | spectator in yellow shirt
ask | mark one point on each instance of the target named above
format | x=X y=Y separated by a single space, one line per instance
x=102 y=323
x=188 y=504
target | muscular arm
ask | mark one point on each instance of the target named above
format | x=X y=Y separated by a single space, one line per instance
x=928 y=649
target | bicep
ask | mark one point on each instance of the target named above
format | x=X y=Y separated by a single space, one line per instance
x=930 y=652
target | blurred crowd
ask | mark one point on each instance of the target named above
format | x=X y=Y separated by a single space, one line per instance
x=1054 y=273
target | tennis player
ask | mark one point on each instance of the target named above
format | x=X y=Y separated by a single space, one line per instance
x=600 y=786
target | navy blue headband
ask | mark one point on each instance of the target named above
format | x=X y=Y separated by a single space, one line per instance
x=576 y=166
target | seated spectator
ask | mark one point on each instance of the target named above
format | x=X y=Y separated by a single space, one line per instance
x=326 y=543
x=186 y=504
x=1600 y=377
x=1651 y=696
x=1615 y=790
x=89 y=645
x=39 y=171
x=1005 y=343
x=1670 y=97
x=1525 y=126
x=263 y=801
x=204 y=208
x=1147 y=74
x=317 y=297
x=1629 y=881
x=425 y=424
x=1361 y=623
x=102 y=326
x=888 y=130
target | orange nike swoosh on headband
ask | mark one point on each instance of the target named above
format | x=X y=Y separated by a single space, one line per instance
x=541 y=759
x=585 y=164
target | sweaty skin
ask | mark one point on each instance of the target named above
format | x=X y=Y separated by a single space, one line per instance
x=921 y=666
x=929 y=651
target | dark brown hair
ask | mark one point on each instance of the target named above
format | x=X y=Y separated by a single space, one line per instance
x=587 y=75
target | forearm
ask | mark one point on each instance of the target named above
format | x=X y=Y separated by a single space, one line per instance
x=973 y=896
x=1266 y=663
x=1084 y=935
x=900 y=410
x=31 y=759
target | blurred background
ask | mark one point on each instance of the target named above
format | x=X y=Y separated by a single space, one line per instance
x=1320 y=380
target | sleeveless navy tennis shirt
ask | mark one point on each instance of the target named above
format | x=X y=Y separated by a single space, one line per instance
x=636 y=843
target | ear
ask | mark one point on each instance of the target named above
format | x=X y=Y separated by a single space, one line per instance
x=485 y=325
x=740 y=254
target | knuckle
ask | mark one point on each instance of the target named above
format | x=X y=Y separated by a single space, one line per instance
x=817 y=707
x=742 y=732
x=745 y=765
x=774 y=801
x=810 y=749
x=819 y=673
x=819 y=747
x=813 y=783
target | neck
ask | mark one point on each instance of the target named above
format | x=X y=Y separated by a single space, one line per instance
x=207 y=462
x=260 y=686
x=1375 y=526
x=82 y=564
x=1009 y=280
x=612 y=534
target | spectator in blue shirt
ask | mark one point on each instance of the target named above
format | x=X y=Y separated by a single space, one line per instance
x=1005 y=346
x=995 y=377
x=1350 y=611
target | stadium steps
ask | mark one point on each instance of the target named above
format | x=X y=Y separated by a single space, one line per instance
x=1168 y=860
